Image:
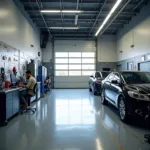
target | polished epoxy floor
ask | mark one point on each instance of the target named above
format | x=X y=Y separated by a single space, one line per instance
x=72 y=120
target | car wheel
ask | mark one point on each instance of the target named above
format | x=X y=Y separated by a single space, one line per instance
x=90 y=89
x=95 y=93
x=123 y=113
x=103 y=100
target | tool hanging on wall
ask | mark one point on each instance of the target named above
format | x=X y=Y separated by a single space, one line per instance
x=2 y=77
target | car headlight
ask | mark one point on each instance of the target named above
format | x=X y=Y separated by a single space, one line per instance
x=138 y=96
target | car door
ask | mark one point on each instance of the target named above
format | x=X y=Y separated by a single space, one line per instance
x=108 y=92
x=115 y=88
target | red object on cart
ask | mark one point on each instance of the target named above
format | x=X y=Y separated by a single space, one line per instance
x=7 y=84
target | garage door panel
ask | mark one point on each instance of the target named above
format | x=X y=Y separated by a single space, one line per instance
x=74 y=63
x=74 y=46
x=71 y=85
x=71 y=79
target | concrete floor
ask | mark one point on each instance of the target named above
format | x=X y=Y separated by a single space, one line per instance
x=72 y=120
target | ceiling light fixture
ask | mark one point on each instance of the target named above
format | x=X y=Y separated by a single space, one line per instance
x=71 y=11
x=61 y=11
x=50 y=11
x=108 y=16
x=66 y=28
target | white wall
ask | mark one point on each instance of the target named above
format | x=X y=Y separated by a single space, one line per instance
x=74 y=45
x=106 y=48
x=137 y=32
x=47 y=52
x=15 y=29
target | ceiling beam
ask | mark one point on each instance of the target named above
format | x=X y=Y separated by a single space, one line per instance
x=44 y=20
x=87 y=11
x=81 y=15
x=68 y=1
x=72 y=19
x=109 y=25
x=79 y=23
x=141 y=1
x=81 y=28
x=59 y=34
x=73 y=2
x=98 y=16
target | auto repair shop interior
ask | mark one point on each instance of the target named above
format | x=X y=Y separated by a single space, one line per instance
x=90 y=62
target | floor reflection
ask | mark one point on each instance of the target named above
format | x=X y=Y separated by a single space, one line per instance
x=74 y=112
x=72 y=120
x=75 y=122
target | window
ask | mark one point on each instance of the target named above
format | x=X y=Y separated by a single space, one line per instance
x=88 y=61
x=88 y=67
x=74 y=67
x=74 y=54
x=61 y=54
x=88 y=54
x=74 y=73
x=61 y=61
x=110 y=77
x=85 y=73
x=97 y=75
x=136 y=77
x=61 y=67
x=117 y=77
x=61 y=73
x=74 y=63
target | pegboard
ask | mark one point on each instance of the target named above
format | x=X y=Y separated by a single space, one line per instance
x=11 y=57
x=24 y=60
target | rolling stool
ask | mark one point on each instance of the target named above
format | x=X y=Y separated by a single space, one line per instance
x=28 y=108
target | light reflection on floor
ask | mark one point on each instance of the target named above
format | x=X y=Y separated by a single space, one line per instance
x=71 y=120
x=74 y=112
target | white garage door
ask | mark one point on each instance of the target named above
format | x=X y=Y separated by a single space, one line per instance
x=74 y=63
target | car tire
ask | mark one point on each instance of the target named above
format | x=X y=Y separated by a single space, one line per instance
x=90 y=89
x=123 y=112
x=95 y=93
x=103 y=100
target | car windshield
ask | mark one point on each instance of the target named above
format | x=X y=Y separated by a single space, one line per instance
x=97 y=75
x=136 y=77
x=105 y=74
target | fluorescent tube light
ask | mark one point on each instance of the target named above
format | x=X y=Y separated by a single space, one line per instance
x=108 y=16
x=59 y=11
x=71 y=11
x=50 y=11
x=76 y=20
x=66 y=28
